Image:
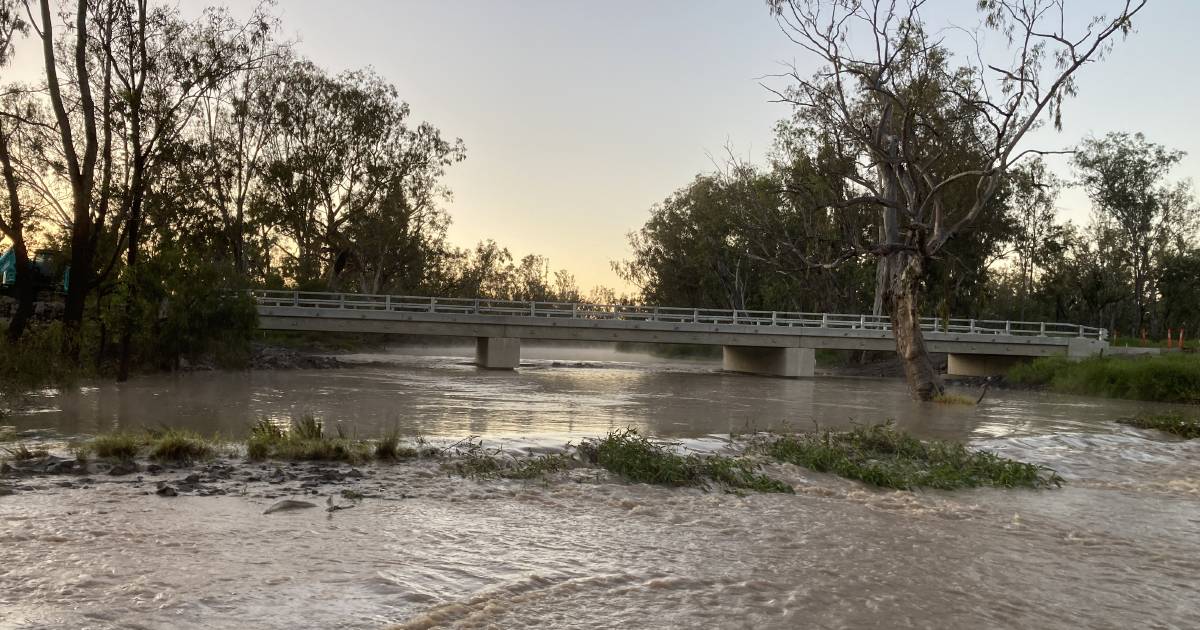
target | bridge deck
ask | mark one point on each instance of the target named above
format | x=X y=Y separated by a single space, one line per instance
x=289 y=310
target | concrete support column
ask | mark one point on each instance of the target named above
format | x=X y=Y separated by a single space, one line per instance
x=980 y=364
x=498 y=353
x=790 y=362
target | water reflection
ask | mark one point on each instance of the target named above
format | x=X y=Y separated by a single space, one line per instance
x=557 y=391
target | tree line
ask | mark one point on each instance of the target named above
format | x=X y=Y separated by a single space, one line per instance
x=1132 y=267
x=172 y=159
x=907 y=183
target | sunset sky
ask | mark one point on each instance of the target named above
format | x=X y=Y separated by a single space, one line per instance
x=579 y=116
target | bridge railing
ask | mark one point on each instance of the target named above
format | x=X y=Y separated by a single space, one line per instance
x=666 y=314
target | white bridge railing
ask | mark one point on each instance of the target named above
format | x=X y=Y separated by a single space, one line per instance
x=669 y=314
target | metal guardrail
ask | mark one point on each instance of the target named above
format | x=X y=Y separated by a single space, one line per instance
x=668 y=314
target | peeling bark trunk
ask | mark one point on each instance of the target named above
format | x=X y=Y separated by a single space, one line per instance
x=904 y=272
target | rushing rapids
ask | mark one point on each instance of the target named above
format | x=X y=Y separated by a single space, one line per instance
x=1115 y=547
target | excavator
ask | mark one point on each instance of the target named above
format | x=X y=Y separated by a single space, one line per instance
x=50 y=272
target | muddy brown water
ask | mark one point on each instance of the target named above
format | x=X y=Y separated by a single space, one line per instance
x=1118 y=546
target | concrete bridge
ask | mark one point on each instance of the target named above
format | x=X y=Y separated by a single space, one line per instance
x=759 y=342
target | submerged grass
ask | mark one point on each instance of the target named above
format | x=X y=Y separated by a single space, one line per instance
x=22 y=452
x=634 y=457
x=1176 y=423
x=1167 y=378
x=953 y=399
x=882 y=456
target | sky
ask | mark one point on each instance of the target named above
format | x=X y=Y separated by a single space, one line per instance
x=579 y=116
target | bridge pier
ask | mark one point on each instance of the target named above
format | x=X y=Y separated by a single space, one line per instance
x=498 y=353
x=789 y=362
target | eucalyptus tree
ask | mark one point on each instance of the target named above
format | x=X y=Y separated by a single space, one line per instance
x=1034 y=192
x=161 y=67
x=348 y=180
x=1126 y=178
x=896 y=103
x=13 y=222
x=80 y=124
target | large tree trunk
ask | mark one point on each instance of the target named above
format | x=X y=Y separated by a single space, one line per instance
x=25 y=290
x=901 y=295
x=82 y=257
x=14 y=228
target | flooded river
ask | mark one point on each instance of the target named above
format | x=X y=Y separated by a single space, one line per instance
x=1118 y=546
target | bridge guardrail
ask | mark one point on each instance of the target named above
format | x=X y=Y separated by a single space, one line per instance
x=666 y=314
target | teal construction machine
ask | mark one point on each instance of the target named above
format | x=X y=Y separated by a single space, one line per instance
x=50 y=272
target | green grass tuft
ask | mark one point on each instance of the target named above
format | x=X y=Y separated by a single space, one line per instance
x=121 y=445
x=634 y=457
x=175 y=445
x=308 y=428
x=305 y=441
x=1167 y=378
x=389 y=448
x=1176 y=423
x=882 y=456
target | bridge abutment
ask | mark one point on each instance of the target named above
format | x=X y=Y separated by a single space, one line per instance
x=789 y=362
x=498 y=353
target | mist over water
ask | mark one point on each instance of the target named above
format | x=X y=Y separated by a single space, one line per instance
x=1116 y=547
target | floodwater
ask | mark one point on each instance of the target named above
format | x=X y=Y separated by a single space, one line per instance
x=1118 y=546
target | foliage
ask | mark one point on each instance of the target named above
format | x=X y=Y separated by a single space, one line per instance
x=195 y=309
x=33 y=362
x=1176 y=423
x=1166 y=378
x=636 y=458
x=881 y=455
x=1125 y=175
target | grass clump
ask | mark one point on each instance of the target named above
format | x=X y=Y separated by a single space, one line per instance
x=175 y=445
x=22 y=452
x=953 y=399
x=304 y=440
x=882 y=456
x=1176 y=423
x=389 y=448
x=634 y=457
x=1165 y=378
x=740 y=473
x=120 y=445
x=540 y=466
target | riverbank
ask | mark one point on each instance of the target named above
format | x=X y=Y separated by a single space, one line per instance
x=1171 y=377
